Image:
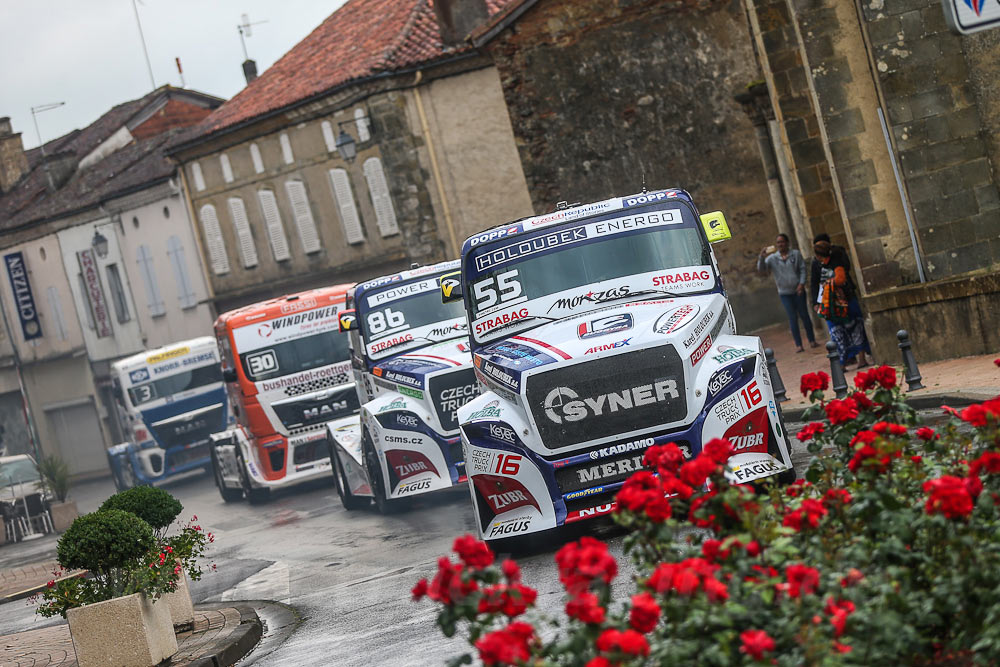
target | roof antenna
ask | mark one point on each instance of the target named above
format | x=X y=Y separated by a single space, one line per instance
x=643 y=182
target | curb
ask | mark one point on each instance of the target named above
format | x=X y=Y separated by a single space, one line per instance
x=955 y=399
x=28 y=592
x=237 y=644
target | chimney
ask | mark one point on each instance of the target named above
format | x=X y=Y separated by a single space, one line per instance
x=458 y=18
x=13 y=161
x=249 y=70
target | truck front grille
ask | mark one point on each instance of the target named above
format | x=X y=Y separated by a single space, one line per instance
x=449 y=392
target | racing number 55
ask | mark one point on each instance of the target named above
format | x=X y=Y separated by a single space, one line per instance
x=501 y=288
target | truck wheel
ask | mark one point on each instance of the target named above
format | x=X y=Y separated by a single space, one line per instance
x=228 y=495
x=382 y=502
x=253 y=495
x=347 y=499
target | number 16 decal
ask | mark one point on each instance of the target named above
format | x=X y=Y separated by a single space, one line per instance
x=750 y=395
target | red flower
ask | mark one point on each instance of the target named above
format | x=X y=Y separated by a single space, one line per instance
x=884 y=375
x=917 y=459
x=711 y=549
x=447 y=586
x=665 y=458
x=582 y=562
x=718 y=449
x=696 y=504
x=926 y=433
x=756 y=643
x=861 y=400
x=864 y=381
x=474 y=553
x=973 y=485
x=795 y=489
x=988 y=461
x=694 y=473
x=584 y=607
x=639 y=489
x=716 y=590
x=832 y=496
x=842 y=648
x=420 y=590
x=980 y=414
x=997 y=362
x=658 y=510
x=511 y=571
x=508 y=646
x=802 y=579
x=809 y=514
x=600 y=661
x=674 y=487
x=628 y=642
x=809 y=431
x=839 y=611
x=818 y=381
x=854 y=575
x=753 y=548
x=883 y=428
x=948 y=496
x=840 y=411
x=645 y=613
x=52 y=583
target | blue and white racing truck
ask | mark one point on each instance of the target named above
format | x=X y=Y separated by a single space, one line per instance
x=169 y=400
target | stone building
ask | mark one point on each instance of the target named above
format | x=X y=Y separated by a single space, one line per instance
x=280 y=209
x=889 y=123
x=101 y=263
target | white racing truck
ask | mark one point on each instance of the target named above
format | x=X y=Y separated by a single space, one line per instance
x=600 y=330
x=412 y=371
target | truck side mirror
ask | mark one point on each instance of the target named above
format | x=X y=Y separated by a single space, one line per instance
x=347 y=320
x=229 y=375
x=716 y=228
x=451 y=287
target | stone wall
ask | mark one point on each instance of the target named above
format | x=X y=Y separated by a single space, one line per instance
x=605 y=95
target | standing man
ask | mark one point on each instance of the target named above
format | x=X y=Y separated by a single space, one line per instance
x=789 y=271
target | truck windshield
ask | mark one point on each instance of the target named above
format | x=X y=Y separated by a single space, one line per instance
x=296 y=355
x=174 y=384
x=523 y=281
x=405 y=315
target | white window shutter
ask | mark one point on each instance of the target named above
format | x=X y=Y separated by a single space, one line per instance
x=227 y=169
x=303 y=216
x=55 y=305
x=199 y=180
x=286 y=149
x=378 y=187
x=214 y=243
x=345 y=204
x=185 y=290
x=144 y=258
x=362 y=123
x=272 y=219
x=258 y=161
x=331 y=141
x=248 y=251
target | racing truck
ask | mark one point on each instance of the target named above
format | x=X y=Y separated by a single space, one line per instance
x=599 y=330
x=412 y=372
x=168 y=402
x=288 y=372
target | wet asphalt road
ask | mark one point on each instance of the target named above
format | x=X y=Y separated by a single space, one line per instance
x=347 y=574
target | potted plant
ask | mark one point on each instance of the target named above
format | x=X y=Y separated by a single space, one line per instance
x=113 y=618
x=55 y=477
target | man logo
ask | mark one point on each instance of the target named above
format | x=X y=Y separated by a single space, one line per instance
x=572 y=410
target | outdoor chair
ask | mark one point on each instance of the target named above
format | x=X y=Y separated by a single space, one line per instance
x=14 y=524
x=36 y=513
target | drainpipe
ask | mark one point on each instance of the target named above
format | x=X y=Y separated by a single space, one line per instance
x=446 y=209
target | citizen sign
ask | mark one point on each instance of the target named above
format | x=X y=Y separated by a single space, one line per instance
x=562 y=403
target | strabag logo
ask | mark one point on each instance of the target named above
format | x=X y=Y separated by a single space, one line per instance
x=592 y=296
x=682 y=278
x=529 y=247
x=562 y=403
x=491 y=323
x=672 y=320
x=605 y=325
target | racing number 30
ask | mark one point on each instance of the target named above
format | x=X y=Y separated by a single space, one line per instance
x=750 y=395
x=500 y=288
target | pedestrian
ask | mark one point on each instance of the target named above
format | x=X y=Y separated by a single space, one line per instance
x=789 y=271
x=835 y=299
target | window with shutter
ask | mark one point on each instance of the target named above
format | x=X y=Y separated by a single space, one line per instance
x=227 y=169
x=362 y=123
x=378 y=188
x=199 y=180
x=178 y=262
x=55 y=305
x=286 y=149
x=272 y=219
x=248 y=251
x=345 y=204
x=303 y=216
x=214 y=242
x=331 y=141
x=144 y=258
x=118 y=296
x=258 y=161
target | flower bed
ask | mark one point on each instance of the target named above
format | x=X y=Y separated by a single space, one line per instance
x=886 y=552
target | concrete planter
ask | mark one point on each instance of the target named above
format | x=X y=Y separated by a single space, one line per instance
x=128 y=631
x=179 y=604
x=63 y=514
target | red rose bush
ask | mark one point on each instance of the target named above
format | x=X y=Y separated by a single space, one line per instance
x=886 y=551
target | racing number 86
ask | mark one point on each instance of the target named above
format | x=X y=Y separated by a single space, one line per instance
x=381 y=320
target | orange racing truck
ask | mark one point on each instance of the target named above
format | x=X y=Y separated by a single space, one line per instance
x=288 y=372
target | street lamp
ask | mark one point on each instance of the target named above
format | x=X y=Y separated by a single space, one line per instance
x=345 y=143
x=99 y=244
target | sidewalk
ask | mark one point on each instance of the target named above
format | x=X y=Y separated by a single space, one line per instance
x=21 y=582
x=221 y=636
x=975 y=375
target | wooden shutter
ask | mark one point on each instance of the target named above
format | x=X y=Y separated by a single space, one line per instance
x=331 y=141
x=55 y=305
x=258 y=161
x=286 y=149
x=227 y=169
x=381 y=200
x=345 y=204
x=272 y=220
x=199 y=180
x=303 y=216
x=248 y=251
x=361 y=123
x=214 y=242
x=144 y=258
x=185 y=290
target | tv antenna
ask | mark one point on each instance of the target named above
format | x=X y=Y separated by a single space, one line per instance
x=244 y=29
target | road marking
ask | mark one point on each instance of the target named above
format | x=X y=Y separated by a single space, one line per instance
x=271 y=583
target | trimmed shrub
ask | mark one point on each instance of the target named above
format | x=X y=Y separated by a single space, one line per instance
x=104 y=541
x=154 y=506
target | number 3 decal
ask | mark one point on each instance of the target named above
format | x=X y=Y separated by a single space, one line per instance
x=501 y=288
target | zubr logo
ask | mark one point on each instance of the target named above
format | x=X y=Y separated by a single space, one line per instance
x=562 y=403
